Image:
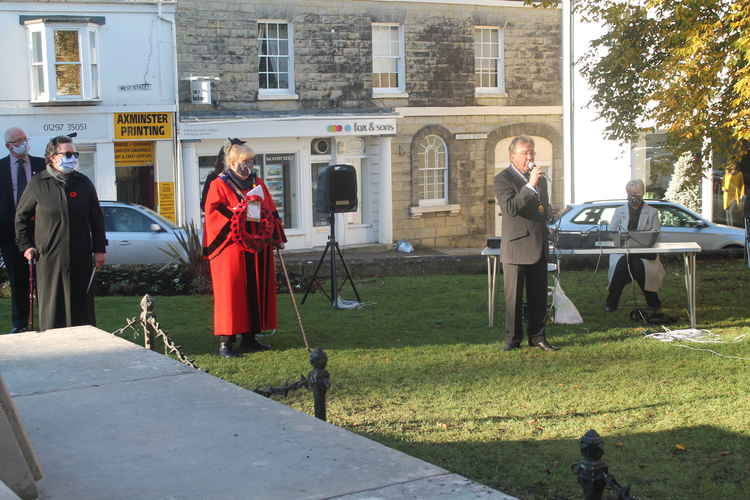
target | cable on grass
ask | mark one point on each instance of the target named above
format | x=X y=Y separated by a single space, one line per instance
x=682 y=338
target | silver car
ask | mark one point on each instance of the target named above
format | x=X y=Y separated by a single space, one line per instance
x=678 y=224
x=137 y=235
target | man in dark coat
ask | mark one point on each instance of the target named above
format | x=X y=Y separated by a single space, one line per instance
x=16 y=170
x=59 y=220
x=522 y=196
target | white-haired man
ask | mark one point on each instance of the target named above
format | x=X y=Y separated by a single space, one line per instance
x=646 y=269
x=16 y=170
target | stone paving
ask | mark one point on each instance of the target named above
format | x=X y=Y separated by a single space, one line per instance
x=109 y=419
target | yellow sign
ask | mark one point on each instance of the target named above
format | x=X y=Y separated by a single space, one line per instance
x=166 y=201
x=139 y=126
x=134 y=154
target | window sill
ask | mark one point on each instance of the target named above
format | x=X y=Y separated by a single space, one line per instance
x=82 y=102
x=478 y=92
x=389 y=95
x=277 y=97
x=417 y=212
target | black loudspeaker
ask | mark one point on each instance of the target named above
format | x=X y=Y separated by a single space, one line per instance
x=337 y=189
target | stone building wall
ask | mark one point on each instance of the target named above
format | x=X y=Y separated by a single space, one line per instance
x=471 y=165
x=333 y=52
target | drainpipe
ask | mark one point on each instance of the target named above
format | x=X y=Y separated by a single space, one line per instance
x=175 y=141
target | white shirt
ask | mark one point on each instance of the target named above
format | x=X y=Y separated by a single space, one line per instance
x=14 y=174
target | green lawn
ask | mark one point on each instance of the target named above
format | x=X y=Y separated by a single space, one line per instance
x=419 y=370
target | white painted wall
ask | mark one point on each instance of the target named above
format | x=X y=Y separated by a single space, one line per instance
x=131 y=52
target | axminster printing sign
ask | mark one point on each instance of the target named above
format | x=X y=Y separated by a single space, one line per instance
x=143 y=126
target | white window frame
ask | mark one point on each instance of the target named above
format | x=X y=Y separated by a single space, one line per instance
x=90 y=90
x=422 y=152
x=399 y=91
x=499 y=89
x=289 y=91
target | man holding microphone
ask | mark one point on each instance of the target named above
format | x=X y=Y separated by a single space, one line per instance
x=522 y=195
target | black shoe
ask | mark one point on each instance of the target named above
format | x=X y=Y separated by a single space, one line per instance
x=608 y=308
x=18 y=329
x=250 y=344
x=225 y=351
x=546 y=346
x=510 y=347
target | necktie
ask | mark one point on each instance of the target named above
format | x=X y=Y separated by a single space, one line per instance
x=20 y=178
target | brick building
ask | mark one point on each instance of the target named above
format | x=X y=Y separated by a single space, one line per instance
x=421 y=97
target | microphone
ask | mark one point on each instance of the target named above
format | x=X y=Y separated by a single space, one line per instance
x=533 y=165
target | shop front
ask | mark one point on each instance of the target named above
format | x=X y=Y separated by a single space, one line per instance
x=290 y=154
x=131 y=165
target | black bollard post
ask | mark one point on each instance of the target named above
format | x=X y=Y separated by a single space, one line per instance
x=319 y=380
x=592 y=470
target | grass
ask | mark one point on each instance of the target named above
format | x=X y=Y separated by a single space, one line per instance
x=419 y=370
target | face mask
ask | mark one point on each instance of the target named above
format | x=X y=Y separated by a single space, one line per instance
x=67 y=165
x=635 y=201
x=21 y=149
x=243 y=170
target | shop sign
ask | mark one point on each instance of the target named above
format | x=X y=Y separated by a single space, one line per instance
x=134 y=154
x=140 y=126
x=166 y=201
x=368 y=127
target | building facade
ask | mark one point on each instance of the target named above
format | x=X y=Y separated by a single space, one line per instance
x=106 y=72
x=421 y=97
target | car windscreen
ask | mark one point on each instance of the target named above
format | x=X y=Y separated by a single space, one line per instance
x=159 y=218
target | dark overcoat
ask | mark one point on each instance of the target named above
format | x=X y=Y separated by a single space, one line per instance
x=64 y=223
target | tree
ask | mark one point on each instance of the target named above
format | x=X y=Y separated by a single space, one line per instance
x=679 y=189
x=680 y=65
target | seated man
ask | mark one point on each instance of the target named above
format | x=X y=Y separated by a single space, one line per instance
x=646 y=269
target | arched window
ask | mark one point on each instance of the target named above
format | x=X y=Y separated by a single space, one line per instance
x=432 y=171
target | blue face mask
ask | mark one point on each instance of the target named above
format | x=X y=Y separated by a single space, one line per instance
x=67 y=165
x=21 y=149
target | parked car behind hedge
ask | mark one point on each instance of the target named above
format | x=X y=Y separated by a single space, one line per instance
x=137 y=235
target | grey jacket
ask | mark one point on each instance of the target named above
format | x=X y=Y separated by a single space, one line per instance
x=524 y=231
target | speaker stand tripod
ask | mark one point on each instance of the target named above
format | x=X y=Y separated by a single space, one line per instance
x=333 y=246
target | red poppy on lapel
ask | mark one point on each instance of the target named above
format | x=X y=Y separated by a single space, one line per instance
x=73 y=194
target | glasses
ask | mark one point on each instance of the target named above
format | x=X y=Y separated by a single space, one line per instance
x=18 y=142
x=69 y=154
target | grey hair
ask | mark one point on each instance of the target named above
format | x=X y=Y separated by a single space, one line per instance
x=634 y=184
x=12 y=131
x=523 y=139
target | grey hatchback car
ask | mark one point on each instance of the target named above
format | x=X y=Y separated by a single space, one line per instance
x=678 y=223
x=137 y=235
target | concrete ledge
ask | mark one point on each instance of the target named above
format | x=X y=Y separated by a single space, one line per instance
x=112 y=420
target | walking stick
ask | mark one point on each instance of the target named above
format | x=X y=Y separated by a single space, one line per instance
x=294 y=301
x=32 y=286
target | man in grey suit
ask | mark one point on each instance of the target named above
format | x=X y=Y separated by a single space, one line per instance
x=522 y=195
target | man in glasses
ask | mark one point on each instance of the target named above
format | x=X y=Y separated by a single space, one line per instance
x=16 y=170
x=646 y=269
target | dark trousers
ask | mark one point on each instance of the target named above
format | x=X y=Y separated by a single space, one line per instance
x=18 y=276
x=622 y=277
x=533 y=278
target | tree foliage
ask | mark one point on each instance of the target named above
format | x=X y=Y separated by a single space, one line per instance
x=680 y=66
x=680 y=189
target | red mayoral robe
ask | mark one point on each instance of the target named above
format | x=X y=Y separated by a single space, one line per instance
x=240 y=254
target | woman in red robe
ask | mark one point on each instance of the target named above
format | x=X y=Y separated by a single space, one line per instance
x=242 y=228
